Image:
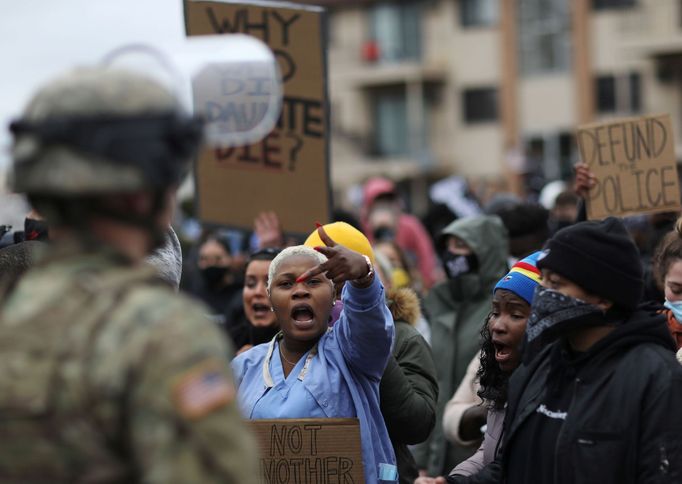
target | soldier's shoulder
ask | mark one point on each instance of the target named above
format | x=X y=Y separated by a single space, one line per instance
x=159 y=304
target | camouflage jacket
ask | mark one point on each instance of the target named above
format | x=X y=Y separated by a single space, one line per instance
x=108 y=376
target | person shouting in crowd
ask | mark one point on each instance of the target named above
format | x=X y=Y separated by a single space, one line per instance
x=408 y=390
x=257 y=322
x=108 y=375
x=594 y=399
x=502 y=336
x=383 y=219
x=668 y=273
x=475 y=258
x=310 y=370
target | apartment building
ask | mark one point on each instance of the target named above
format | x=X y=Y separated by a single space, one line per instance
x=488 y=89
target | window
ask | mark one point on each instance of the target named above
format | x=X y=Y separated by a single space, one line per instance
x=396 y=31
x=478 y=13
x=606 y=4
x=550 y=156
x=619 y=93
x=390 y=122
x=606 y=94
x=544 y=36
x=480 y=105
x=399 y=129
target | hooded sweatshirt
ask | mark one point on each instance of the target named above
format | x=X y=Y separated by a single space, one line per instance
x=457 y=310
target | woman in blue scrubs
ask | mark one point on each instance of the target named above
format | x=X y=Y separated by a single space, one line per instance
x=312 y=371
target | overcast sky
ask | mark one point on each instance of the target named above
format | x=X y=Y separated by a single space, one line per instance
x=41 y=38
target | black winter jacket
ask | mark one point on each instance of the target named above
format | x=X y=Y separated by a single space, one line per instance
x=408 y=388
x=623 y=424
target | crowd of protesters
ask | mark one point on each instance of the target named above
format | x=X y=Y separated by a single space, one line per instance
x=504 y=341
x=553 y=338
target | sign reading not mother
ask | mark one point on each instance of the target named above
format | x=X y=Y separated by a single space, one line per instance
x=633 y=160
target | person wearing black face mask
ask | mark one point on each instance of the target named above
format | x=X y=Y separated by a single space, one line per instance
x=217 y=285
x=597 y=395
x=474 y=255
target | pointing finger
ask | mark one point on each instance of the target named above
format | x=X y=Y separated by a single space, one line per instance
x=310 y=273
x=325 y=238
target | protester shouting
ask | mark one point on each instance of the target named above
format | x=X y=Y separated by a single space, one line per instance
x=475 y=258
x=594 y=399
x=502 y=337
x=253 y=322
x=408 y=390
x=310 y=370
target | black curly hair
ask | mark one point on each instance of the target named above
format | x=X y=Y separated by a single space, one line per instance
x=492 y=379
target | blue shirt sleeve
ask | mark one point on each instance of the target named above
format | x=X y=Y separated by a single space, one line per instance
x=365 y=329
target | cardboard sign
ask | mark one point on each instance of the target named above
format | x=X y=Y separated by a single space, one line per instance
x=309 y=451
x=288 y=171
x=634 y=162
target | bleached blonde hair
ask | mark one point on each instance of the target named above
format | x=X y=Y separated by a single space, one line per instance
x=295 y=251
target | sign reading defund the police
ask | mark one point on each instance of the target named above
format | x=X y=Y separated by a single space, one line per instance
x=634 y=162
x=309 y=451
x=288 y=170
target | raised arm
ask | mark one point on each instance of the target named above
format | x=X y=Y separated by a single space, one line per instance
x=365 y=329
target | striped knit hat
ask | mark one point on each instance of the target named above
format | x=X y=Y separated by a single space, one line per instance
x=523 y=278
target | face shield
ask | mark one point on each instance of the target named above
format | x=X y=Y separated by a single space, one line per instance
x=148 y=112
x=231 y=84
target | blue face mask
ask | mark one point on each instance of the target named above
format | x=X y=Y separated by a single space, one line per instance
x=676 y=308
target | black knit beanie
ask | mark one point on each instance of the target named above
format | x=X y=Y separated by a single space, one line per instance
x=599 y=257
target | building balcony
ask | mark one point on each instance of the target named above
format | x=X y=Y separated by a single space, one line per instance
x=653 y=28
x=377 y=74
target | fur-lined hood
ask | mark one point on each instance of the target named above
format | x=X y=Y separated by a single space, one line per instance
x=404 y=305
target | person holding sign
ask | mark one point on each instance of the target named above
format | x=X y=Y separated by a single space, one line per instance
x=311 y=371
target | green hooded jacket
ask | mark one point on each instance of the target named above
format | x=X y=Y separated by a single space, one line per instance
x=456 y=310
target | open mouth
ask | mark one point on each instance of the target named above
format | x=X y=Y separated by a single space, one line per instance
x=503 y=352
x=260 y=310
x=302 y=315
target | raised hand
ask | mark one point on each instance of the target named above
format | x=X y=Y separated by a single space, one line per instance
x=268 y=230
x=584 y=179
x=342 y=263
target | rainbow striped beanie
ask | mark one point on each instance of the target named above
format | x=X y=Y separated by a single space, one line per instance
x=523 y=278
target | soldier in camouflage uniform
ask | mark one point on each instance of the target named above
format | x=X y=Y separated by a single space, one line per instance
x=106 y=375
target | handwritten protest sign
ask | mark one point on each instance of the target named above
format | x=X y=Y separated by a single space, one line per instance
x=309 y=451
x=288 y=171
x=634 y=162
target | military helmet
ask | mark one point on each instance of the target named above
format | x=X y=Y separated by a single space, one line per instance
x=102 y=130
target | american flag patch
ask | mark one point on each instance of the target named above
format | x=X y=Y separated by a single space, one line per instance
x=203 y=389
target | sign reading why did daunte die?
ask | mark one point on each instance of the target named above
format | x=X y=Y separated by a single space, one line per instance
x=633 y=160
x=288 y=169
x=309 y=451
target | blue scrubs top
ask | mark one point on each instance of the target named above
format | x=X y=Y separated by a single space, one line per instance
x=288 y=398
x=342 y=376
